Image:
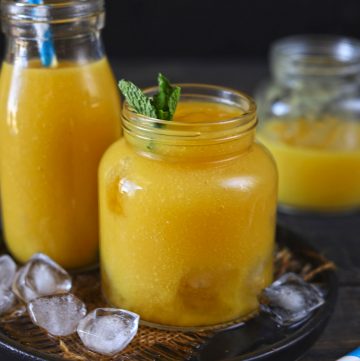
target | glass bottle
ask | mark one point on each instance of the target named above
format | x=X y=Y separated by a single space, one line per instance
x=310 y=120
x=187 y=212
x=56 y=121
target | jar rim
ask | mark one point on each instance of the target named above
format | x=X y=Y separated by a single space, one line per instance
x=194 y=133
x=51 y=12
x=329 y=44
x=245 y=115
x=315 y=55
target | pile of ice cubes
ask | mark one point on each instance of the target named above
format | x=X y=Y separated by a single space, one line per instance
x=7 y=274
x=45 y=288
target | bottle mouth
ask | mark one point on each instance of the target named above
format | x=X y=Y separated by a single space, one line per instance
x=315 y=56
x=195 y=132
x=51 y=11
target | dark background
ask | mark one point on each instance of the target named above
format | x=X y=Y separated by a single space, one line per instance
x=219 y=28
x=190 y=39
x=214 y=41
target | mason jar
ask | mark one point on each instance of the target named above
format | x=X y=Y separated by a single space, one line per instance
x=59 y=111
x=187 y=212
x=310 y=120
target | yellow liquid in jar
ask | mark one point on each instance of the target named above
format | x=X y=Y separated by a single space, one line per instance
x=187 y=243
x=55 y=125
x=318 y=162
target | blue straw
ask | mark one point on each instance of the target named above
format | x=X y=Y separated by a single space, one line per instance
x=352 y=356
x=45 y=41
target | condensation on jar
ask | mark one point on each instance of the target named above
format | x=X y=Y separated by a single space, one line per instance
x=187 y=212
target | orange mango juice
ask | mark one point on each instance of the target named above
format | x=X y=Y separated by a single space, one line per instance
x=55 y=126
x=318 y=162
x=187 y=242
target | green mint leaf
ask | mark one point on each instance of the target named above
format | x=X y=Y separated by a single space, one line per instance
x=161 y=106
x=137 y=99
x=160 y=102
x=163 y=114
x=173 y=100
x=166 y=99
x=164 y=85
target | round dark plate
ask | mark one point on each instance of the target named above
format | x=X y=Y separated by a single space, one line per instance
x=257 y=339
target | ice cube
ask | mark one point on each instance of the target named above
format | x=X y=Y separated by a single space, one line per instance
x=108 y=330
x=59 y=315
x=7 y=300
x=41 y=276
x=290 y=299
x=7 y=271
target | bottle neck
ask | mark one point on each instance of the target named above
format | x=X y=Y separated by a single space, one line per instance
x=77 y=50
x=72 y=28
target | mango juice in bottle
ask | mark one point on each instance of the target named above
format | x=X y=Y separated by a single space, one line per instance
x=56 y=122
x=187 y=212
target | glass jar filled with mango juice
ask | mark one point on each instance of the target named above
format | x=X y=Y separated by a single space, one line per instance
x=310 y=120
x=187 y=212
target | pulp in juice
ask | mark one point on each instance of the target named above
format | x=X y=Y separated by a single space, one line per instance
x=318 y=162
x=187 y=242
x=55 y=125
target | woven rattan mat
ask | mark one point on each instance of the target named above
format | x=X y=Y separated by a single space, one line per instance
x=149 y=344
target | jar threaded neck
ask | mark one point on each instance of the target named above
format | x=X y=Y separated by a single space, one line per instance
x=180 y=138
x=319 y=58
x=185 y=132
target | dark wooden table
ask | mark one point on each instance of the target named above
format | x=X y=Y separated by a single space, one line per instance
x=338 y=237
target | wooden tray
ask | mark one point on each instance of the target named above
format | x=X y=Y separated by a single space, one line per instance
x=257 y=339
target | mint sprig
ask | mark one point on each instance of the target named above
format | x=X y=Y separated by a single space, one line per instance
x=137 y=99
x=161 y=106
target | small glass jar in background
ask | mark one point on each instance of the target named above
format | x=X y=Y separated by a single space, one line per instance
x=310 y=120
x=59 y=111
